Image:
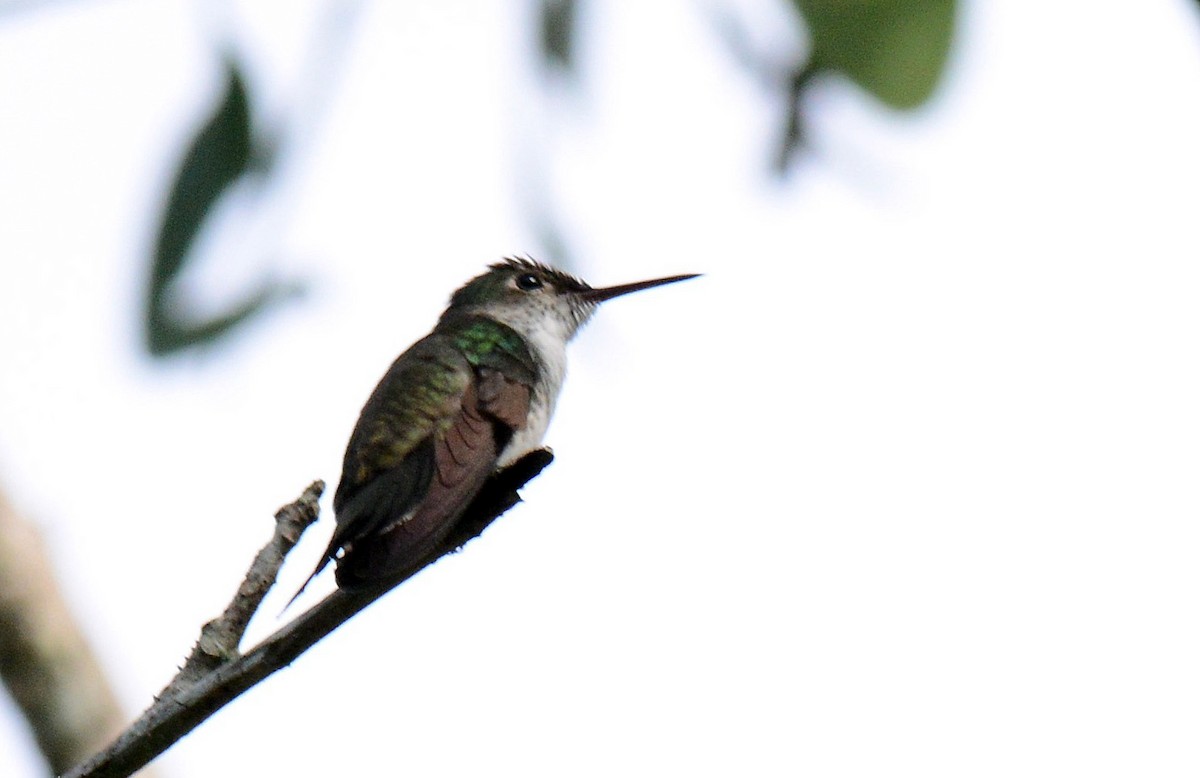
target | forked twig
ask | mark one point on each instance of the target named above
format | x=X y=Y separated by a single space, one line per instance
x=215 y=673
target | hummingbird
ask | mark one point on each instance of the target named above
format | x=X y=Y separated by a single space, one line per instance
x=470 y=398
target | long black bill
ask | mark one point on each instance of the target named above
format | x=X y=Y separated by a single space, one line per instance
x=609 y=292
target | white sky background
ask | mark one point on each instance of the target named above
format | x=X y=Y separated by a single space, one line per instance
x=905 y=485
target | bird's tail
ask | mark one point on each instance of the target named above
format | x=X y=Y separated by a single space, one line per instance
x=326 y=558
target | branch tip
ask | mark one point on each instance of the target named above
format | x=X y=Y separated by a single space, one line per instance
x=208 y=681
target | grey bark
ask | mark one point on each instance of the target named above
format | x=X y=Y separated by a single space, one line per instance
x=216 y=672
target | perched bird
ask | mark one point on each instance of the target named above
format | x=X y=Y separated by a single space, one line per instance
x=465 y=401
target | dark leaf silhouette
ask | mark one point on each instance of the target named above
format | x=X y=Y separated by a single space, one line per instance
x=222 y=152
x=558 y=32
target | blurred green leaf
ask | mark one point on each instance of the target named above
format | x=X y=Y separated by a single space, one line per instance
x=558 y=32
x=221 y=153
x=894 y=49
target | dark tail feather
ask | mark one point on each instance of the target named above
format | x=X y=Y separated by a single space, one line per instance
x=326 y=558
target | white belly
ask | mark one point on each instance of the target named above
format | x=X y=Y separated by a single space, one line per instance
x=551 y=353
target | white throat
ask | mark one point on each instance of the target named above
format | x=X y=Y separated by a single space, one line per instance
x=546 y=331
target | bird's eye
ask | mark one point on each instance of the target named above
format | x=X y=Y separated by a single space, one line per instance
x=527 y=282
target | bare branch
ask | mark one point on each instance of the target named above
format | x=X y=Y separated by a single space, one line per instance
x=220 y=674
x=221 y=637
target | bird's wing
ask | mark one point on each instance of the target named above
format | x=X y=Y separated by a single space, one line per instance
x=463 y=456
x=426 y=441
x=504 y=399
x=390 y=460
